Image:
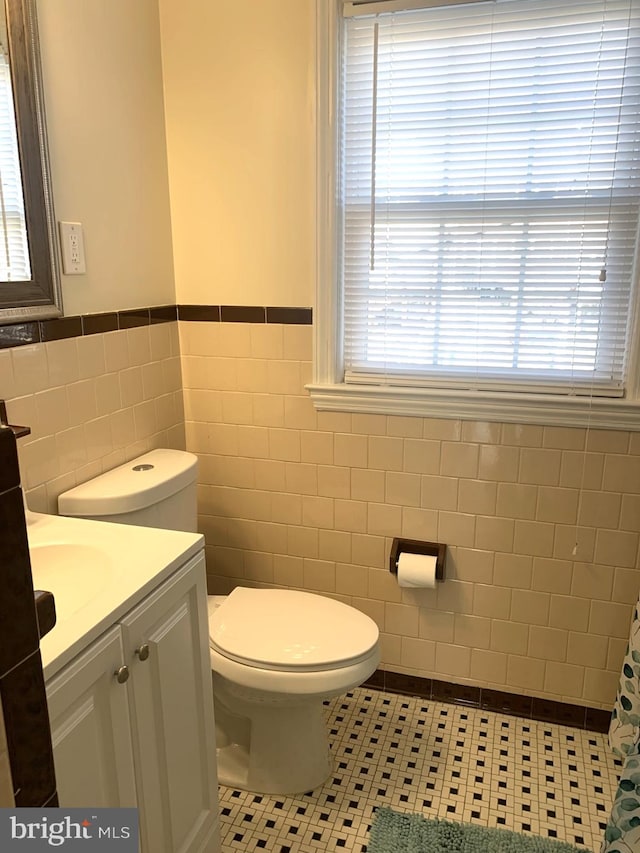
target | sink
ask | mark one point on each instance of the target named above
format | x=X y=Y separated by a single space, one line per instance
x=96 y=572
x=74 y=573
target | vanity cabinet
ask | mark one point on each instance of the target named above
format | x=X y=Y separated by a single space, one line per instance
x=132 y=719
x=91 y=728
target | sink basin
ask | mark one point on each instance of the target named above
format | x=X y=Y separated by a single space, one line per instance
x=97 y=572
x=73 y=572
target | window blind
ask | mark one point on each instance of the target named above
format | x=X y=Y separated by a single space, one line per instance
x=14 y=249
x=490 y=188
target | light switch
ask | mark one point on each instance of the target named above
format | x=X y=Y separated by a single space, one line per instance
x=72 y=245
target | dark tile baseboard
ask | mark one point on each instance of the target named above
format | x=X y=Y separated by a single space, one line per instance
x=528 y=707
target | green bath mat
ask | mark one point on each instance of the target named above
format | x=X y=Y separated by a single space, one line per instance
x=392 y=832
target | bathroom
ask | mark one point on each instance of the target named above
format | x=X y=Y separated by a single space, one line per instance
x=182 y=136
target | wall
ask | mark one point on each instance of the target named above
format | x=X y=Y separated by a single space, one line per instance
x=94 y=401
x=105 y=117
x=239 y=96
x=291 y=497
x=294 y=498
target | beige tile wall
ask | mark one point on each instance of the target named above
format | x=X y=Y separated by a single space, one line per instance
x=292 y=497
x=92 y=403
x=542 y=524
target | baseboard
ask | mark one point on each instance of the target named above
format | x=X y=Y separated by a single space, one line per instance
x=528 y=707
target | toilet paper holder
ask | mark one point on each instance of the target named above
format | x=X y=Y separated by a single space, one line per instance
x=416 y=546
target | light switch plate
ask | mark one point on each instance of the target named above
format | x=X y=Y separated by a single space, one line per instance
x=72 y=246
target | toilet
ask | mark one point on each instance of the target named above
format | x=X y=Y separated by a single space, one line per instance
x=277 y=655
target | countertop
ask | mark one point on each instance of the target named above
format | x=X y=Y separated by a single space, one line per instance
x=97 y=571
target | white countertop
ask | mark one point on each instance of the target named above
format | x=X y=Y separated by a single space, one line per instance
x=97 y=571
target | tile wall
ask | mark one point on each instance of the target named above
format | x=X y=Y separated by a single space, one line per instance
x=311 y=500
x=542 y=524
x=92 y=403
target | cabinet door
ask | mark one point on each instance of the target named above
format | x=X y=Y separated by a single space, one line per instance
x=90 y=728
x=166 y=640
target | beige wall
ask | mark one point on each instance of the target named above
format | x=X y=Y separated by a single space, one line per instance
x=105 y=116
x=239 y=94
x=291 y=497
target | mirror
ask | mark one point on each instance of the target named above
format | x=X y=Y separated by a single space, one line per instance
x=29 y=275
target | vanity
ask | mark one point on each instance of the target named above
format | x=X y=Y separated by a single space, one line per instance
x=128 y=676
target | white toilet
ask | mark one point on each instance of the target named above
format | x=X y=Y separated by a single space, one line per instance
x=276 y=655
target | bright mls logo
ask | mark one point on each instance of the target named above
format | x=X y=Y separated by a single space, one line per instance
x=69 y=829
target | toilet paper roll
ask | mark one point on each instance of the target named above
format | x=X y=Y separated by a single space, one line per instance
x=417 y=571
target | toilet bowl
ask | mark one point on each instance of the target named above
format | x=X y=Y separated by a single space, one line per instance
x=276 y=654
x=276 y=657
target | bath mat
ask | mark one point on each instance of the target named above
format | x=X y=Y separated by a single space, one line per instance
x=392 y=832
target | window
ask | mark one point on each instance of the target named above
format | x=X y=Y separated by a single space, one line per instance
x=29 y=275
x=487 y=176
x=14 y=251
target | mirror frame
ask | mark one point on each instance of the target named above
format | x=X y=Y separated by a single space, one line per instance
x=41 y=297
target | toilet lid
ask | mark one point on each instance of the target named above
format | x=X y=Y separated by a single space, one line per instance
x=290 y=630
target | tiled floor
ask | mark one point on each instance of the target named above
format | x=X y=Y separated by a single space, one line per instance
x=444 y=761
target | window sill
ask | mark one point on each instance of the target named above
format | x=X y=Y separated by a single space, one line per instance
x=503 y=407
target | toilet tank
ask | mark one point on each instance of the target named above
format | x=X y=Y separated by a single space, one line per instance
x=158 y=489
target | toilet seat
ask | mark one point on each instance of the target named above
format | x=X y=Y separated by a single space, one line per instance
x=289 y=631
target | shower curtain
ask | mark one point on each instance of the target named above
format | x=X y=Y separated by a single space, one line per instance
x=622 y=834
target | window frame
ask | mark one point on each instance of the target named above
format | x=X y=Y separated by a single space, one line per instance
x=328 y=390
x=39 y=297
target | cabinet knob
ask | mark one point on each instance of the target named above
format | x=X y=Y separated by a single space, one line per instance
x=122 y=673
x=143 y=651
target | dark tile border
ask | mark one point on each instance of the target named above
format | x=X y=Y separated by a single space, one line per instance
x=292 y=316
x=246 y=314
x=528 y=707
x=95 y=324
x=62 y=328
x=18 y=625
x=505 y=703
x=243 y=314
x=22 y=691
x=19 y=334
x=134 y=318
x=199 y=313
x=459 y=694
x=24 y=703
x=163 y=314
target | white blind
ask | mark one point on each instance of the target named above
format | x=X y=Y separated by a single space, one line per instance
x=490 y=189
x=14 y=249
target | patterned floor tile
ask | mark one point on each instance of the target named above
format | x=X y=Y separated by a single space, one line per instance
x=440 y=760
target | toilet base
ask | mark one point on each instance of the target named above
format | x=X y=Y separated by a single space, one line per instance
x=271 y=747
